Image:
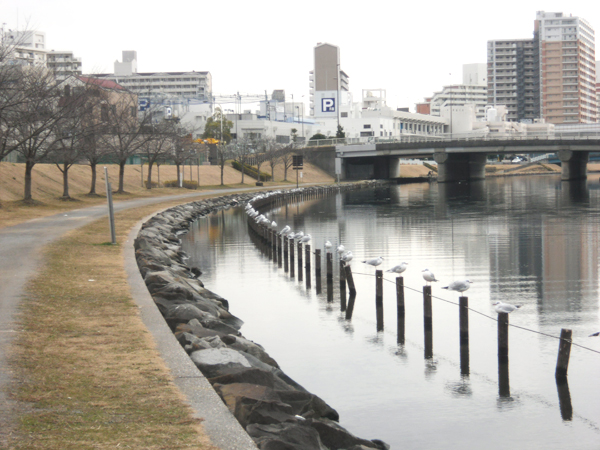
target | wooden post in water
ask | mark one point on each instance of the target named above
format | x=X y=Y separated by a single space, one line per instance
x=428 y=321
x=342 y=287
x=329 y=268
x=274 y=241
x=307 y=264
x=503 y=338
x=300 y=275
x=318 y=269
x=379 y=298
x=350 y=280
x=279 y=251
x=285 y=254
x=292 y=259
x=400 y=309
x=463 y=319
x=564 y=351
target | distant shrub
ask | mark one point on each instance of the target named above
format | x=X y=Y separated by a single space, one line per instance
x=251 y=171
x=188 y=184
x=154 y=184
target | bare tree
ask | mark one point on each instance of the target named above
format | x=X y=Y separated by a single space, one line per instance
x=242 y=150
x=272 y=156
x=122 y=131
x=157 y=143
x=287 y=160
x=183 y=148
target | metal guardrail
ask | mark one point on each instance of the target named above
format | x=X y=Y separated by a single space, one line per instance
x=553 y=136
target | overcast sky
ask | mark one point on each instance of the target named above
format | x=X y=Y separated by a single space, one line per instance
x=409 y=48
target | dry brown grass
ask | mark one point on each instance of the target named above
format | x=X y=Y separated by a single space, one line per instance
x=87 y=364
x=47 y=186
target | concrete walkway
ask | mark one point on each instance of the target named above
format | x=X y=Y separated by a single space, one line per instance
x=20 y=256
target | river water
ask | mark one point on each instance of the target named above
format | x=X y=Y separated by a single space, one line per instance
x=531 y=241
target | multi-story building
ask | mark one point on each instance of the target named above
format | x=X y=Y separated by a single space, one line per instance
x=28 y=47
x=328 y=82
x=196 y=85
x=472 y=91
x=63 y=64
x=568 y=68
x=514 y=77
x=551 y=76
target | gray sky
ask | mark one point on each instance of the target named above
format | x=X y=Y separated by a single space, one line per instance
x=408 y=48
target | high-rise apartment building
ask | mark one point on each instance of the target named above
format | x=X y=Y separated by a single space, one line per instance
x=550 y=76
x=327 y=81
x=568 y=68
x=63 y=64
x=514 y=77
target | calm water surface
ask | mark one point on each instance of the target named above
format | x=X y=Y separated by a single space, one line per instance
x=531 y=241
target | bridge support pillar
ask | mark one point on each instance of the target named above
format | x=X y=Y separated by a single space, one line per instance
x=574 y=165
x=460 y=166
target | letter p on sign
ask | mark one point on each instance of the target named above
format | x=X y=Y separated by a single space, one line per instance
x=328 y=104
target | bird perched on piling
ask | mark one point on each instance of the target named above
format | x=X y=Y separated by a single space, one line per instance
x=340 y=250
x=273 y=224
x=284 y=230
x=500 y=307
x=374 y=261
x=459 y=286
x=428 y=276
x=399 y=268
x=327 y=246
x=291 y=235
x=299 y=235
x=347 y=257
x=305 y=239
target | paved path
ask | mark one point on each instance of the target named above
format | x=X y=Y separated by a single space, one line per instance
x=20 y=256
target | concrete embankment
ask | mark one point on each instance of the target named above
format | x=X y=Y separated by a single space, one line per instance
x=270 y=407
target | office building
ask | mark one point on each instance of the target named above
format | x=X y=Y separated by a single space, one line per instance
x=328 y=82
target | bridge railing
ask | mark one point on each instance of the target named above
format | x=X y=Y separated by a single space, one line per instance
x=457 y=137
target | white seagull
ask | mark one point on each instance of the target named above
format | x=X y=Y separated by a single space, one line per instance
x=428 y=276
x=305 y=239
x=374 y=261
x=273 y=224
x=341 y=249
x=347 y=257
x=399 y=268
x=505 y=307
x=327 y=246
x=285 y=230
x=299 y=234
x=459 y=286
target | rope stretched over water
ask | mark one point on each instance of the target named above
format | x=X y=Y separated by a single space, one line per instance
x=487 y=316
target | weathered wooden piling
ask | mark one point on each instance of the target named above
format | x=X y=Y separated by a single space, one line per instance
x=428 y=321
x=307 y=264
x=350 y=308
x=292 y=259
x=274 y=240
x=564 y=352
x=279 y=251
x=318 y=269
x=503 y=338
x=300 y=274
x=379 y=298
x=350 y=280
x=342 y=286
x=503 y=380
x=329 y=267
x=285 y=254
x=463 y=320
x=400 y=310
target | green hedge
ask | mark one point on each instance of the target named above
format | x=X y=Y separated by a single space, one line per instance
x=188 y=184
x=251 y=171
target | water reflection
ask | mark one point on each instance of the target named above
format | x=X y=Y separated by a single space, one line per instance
x=564 y=399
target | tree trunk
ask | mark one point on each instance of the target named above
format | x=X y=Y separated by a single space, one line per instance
x=242 y=162
x=158 y=175
x=285 y=168
x=258 y=172
x=273 y=173
x=178 y=174
x=121 y=177
x=222 y=168
x=93 y=187
x=27 y=188
x=65 y=172
x=149 y=181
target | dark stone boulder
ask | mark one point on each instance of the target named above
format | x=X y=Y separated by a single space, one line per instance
x=308 y=405
x=336 y=437
x=285 y=436
x=244 y=345
x=217 y=361
x=253 y=376
x=186 y=312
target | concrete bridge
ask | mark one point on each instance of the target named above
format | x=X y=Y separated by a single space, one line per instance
x=460 y=157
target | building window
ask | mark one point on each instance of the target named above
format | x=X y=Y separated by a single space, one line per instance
x=344 y=114
x=366 y=126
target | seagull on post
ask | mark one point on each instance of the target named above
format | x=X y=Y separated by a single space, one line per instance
x=327 y=246
x=399 y=268
x=500 y=307
x=428 y=276
x=340 y=250
x=459 y=286
x=374 y=261
x=285 y=230
x=347 y=257
x=305 y=239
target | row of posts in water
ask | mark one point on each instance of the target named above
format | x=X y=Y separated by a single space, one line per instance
x=281 y=250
